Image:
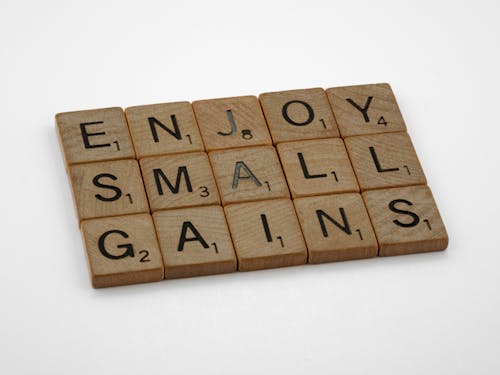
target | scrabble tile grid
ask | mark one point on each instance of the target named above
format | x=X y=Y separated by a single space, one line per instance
x=346 y=216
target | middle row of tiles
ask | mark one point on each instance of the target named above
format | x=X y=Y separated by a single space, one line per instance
x=311 y=167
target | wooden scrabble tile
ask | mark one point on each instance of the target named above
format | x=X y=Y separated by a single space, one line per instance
x=231 y=122
x=316 y=167
x=181 y=180
x=194 y=242
x=298 y=114
x=167 y=128
x=109 y=188
x=122 y=250
x=94 y=135
x=384 y=160
x=406 y=220
x=248 y=174
x=266 y=234
x=336 y=227
x=365 y=109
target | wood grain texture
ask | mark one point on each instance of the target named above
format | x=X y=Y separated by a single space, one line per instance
x=385 y=160
x=298 y=114
x=244 y=124
x=248 y=174
x=406 y=220
x=167 y=128
x=357 y=114
x=109 y=188
x=94 y=135
x=181 y=180
x=266 y=234
x=317 y=167
x=122 y=250
x=336 y=227
x=194 y=242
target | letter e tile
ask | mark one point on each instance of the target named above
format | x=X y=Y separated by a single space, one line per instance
x=94 y=135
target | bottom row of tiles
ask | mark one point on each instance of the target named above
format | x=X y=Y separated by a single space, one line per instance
x=257 y=235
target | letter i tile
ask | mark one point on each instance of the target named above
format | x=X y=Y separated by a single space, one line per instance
x=266 y=234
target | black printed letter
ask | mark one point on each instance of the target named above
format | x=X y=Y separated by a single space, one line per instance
x=237 y=174
x=344 y=228
x=181 y=171
x=176 y=133
x=197 y=236
x=392 y=207
x=377 y=162
x=364 y=110
x=96 y=181
x=86 y=135
x=129 y=252
x=310 y=113
x=305 y=170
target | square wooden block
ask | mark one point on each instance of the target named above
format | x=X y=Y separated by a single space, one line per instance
x=248 y=174
x=385 y=160
x=194 y=242
x=94 y=135
x=182 y=180
x=109 y=188
x=266 y=234
x=231 y=122
x=336 y=227
x=406 y=220
x=366 y=109
x=122 y=250
x=168 y=128
x=298 y=114
x=317 y=167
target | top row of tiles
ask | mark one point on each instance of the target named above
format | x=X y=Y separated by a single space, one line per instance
x=103 y=134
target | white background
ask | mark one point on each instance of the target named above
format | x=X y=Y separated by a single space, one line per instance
x=431 y=313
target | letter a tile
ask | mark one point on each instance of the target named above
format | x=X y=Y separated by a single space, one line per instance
x=366 y=109
x=406 y=220
x=94 y=135
x=182 y=180
x=266 y=234
x=384 y=160
x=248 y=174
x=298 y=114
x=231 y=122
x=122 y=250
x=194 y=242
x=336 y=227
